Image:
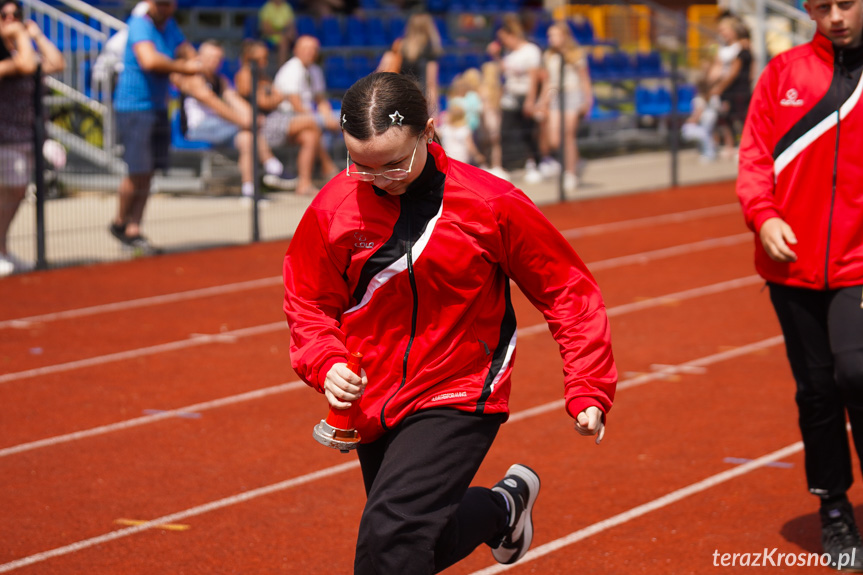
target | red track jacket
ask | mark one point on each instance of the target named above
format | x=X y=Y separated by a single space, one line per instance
x=419 y=284
x=800 y=160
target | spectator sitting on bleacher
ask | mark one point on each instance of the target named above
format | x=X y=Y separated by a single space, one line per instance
x=577 y=90
x=304 y=112
x=699 y=126
x=416 y=54
x=257 y=52
x=278 y=27
x=216 y=114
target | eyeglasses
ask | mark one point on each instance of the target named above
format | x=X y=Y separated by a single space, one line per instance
x=395 y=174
x=13 y=15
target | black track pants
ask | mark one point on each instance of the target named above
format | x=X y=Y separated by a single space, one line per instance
x=824 y=341
x=420 y=516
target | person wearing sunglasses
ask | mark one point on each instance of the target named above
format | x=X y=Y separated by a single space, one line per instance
x=407 y=257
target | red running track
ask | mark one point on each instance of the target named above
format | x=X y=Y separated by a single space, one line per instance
x=152 y=423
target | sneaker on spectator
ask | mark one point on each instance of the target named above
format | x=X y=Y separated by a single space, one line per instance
x=20 y=265
x=841 y=539
x=520 y=487
x=284 y=181
x=499 y=172
x=9 y=264
x=118 y=231
x=7 y=267
x=549 y=167
x=531 y=174
x=142 y=246
x=570 y=182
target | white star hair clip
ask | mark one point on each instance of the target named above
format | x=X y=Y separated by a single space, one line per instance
x=396 y=118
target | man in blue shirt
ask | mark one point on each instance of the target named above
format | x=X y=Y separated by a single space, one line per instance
x=155 y=49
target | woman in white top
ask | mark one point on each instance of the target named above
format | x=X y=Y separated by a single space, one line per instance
x=577 y=94
x=519 y=65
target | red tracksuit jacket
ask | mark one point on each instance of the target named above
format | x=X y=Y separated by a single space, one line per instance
x=800 y=159
x=419 y=284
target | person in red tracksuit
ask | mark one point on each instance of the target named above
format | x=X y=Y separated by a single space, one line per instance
x=799 y=183
x=408 y=258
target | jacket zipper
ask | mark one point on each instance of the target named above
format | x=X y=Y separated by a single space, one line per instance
x=835 y=169
x=414 y=310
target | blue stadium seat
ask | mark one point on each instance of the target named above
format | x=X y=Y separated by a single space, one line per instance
x=441 y=24
x=474 y=60
x=582 y=29
x=597 y=68
x=449 y=65
x=336 y=72
x=396 y=27
x=376 y=34
x=251 y=28
x=331 y=32
x=652 y=101
x=649 y=65
x=306 y=25
x=599 y=113
x=622 y=65
x=360 y=66
x=355 y=32
x=437 y=6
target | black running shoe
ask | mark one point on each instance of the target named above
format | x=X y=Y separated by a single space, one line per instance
x=841 y=539
x=118 y=231
x=520 y=487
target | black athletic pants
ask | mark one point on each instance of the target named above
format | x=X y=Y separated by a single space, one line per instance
x=824 y=341
x=421 y=516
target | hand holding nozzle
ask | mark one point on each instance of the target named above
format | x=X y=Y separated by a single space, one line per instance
x=338 y=430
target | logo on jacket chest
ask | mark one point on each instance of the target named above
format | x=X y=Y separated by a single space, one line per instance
x=362 y=242
x=791 y=99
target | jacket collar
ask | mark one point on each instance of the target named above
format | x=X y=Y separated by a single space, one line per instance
x=852 y=57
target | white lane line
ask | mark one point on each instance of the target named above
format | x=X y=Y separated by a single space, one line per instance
x=678 y=250
x=664 y=373
x=198 y=339
x=329 y=471
x=661 y=219
x=153 y=418
x=24 y=322
x=644 y=509
x=142 y=302
x=193 y=341
x=182 y=515
x=669 y=299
